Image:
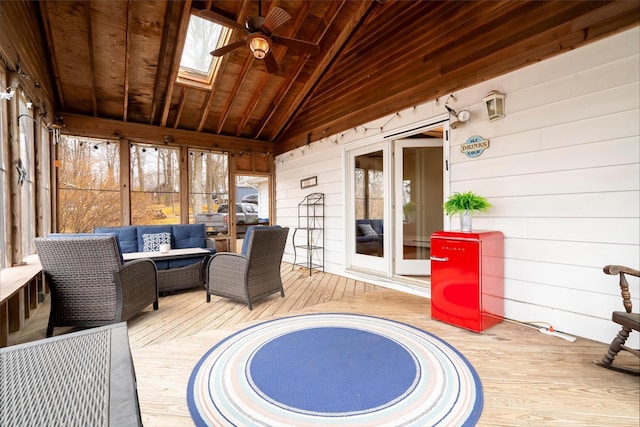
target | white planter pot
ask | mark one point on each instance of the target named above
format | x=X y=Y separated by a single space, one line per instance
x=465 y=221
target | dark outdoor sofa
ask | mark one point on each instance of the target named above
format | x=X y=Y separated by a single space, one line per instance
x=173 y=274
x=369 y=235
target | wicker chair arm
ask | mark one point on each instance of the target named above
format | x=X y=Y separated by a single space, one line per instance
x=227 y=274
x=624 y=285
x=138 y=281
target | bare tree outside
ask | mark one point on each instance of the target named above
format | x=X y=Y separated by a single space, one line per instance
x=369 y=186
x=88 y=184
x=155 y=185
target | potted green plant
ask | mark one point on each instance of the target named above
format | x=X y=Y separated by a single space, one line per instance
x=465 y=204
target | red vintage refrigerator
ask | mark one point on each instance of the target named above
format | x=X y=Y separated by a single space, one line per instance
x=467 y=278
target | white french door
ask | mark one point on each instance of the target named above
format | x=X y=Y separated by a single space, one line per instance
x=394 y=190
x=418 y=194
x=368 y=217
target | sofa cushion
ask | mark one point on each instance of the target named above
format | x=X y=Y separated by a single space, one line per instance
x=182 y=236
x=189 y=236
x=247 y=234
x=151 y=242
x=365 y=230
x=150 y=229
x=378 y=226
x=127 y=237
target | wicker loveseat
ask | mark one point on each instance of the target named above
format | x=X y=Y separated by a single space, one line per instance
x=173 y=274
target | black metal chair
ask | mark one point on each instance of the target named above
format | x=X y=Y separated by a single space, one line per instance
x=627 y=319
x=90 y=284
x=252 y=274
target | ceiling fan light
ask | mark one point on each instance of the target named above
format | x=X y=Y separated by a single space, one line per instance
x=259 y=46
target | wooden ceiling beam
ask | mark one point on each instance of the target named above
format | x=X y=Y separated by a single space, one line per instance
x=127 y=50
x=298 y=68
x=53 y=63
x=175 y=68
x=168 y=52
x=183 y=92
x=93 y=127
x=287 y=116
x=92 y=65
x=241 y=78
x=206 y=107
x=292 y=30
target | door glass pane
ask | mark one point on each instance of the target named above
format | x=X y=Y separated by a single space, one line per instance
x=421 y=199
x=369 y=204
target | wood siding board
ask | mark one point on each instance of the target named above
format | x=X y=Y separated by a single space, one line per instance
x=553 y=161
x=563 y=252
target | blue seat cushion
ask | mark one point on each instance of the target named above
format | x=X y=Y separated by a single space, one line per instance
x=127 y=237
x=188 y=236
x=247 y=234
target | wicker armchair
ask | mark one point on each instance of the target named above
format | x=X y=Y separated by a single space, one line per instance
x=90 y=284
x=252 y=274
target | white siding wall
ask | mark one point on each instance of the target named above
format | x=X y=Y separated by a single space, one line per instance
x=562 y=172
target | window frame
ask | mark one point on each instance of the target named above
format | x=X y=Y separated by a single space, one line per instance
x=191 y=77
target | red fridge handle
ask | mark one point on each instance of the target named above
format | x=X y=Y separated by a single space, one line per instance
x=436 y=258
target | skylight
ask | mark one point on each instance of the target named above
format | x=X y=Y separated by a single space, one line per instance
x=197 y=66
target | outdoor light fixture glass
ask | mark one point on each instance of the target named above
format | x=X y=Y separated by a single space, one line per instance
x=259 y=46
x=495 y=105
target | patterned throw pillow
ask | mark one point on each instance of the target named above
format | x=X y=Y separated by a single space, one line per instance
x=366 y=230
x=152 y=242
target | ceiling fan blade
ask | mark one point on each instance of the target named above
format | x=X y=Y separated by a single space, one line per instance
x=275 y=17
x=271 y=63
x=296 y=44
x=219 y=19
x=228 y=48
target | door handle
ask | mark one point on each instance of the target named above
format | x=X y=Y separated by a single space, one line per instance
x=441 y=259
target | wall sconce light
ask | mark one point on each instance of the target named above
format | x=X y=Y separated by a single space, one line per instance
x=259 y=46
x=495 y=105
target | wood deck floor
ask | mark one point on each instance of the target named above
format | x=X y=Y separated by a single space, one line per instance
x=528 y=378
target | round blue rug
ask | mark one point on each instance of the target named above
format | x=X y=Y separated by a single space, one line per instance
x=334 y=369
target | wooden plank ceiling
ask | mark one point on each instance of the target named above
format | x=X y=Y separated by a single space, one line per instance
x=117 y=61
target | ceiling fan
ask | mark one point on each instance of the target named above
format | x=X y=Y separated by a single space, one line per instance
x=259 y=36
